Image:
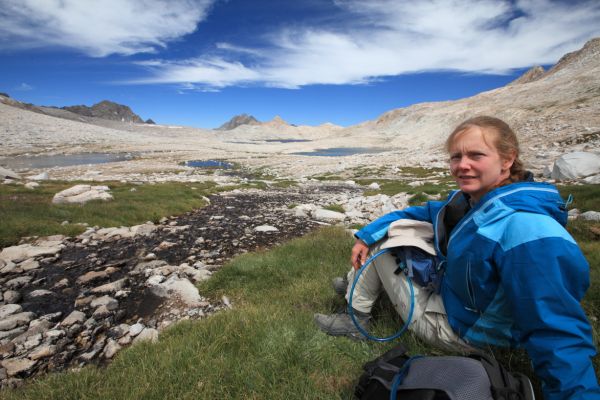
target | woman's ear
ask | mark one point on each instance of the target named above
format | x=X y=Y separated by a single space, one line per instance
x=508 y=162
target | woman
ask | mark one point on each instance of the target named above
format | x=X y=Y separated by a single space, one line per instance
x=513 y=275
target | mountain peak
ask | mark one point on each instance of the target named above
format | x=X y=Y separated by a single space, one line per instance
x=277 y=121
x=242 y=119
x=532 y=74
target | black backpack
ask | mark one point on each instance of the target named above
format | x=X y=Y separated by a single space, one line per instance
x=477 y=376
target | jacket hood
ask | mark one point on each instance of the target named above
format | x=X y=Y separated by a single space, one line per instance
x=532 y=197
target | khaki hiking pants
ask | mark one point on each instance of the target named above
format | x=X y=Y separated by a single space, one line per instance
x=429 y=321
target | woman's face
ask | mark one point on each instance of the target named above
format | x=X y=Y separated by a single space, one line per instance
x=476 y=166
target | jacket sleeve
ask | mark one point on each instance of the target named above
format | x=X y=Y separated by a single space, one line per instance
x=545 y=276
x=377 y=229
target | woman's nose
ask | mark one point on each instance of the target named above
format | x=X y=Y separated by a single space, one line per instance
x=463 y=163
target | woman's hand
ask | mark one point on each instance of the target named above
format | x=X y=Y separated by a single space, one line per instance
x=359 y=254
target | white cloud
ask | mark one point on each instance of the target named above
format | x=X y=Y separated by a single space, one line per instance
x=390 y=37
x=99 y=28
x=24 y=87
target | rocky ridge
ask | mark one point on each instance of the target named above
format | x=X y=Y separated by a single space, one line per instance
x=107 y=110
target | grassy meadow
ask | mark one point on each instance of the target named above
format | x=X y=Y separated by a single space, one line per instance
x=267 y=346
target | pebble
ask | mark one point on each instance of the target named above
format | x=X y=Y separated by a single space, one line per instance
x=9 y=309
x=15 y=366
x=135 y=329
x=148 y=334
x=74 y=318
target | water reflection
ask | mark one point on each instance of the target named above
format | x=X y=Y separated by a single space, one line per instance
x=63 y=160
x=208 y=164
x=340 y=151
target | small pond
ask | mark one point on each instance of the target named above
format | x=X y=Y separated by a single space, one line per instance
x=208 y=164
x=287 y=140
x=63 y=160
x=339 y=151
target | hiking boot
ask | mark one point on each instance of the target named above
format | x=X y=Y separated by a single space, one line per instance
x=342 y=324
x=340 y=285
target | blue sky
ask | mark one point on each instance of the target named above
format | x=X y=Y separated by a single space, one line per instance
x=200 y=62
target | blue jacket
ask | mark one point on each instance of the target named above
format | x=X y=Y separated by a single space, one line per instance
x=514 y=277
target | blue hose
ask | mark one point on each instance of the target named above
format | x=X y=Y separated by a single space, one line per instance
x=351 y=310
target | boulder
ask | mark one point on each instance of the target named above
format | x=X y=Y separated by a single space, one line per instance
x=80 y=194
x=40 y=177
x=266 y=228
x=576 y=165
x=8 y=174
x=181 y=288
x=328 y=215
x=25 y=251
x=590 y=216
x=15 y=366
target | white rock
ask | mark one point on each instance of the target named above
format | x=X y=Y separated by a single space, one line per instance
x=299 y=212
x=76 y=317
x=575 y=165
x=594 y=179
x=9 y=309
x=16 y=283
x=266 y=228
x=107 y=301
x=135 y=329
x=25 y=251
x=327 y=215
x=101 y=312
x=39 y=177
x=29 y=264
x=8 y=174
x=155 y=280
x=374 y=186
x=11 y=296
x=54 y=334
x=15 y=366
x=43 y=351
x=80 y=194
x=111 y=348
x=110 y=287
x=143 y=230
x=15 y=320
x=148 y=334
x=32 y=185
x=590 y=216
x=181 y=288
x=40 y=293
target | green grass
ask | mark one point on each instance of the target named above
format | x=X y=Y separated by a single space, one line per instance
x=335 y=207
x=392 y=187
x=26 y=212
x=585 y=197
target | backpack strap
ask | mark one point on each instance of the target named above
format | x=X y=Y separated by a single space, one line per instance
x=382 y=369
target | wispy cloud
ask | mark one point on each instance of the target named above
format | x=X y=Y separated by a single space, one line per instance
x=99 y=28
x=390 y=37
x=24 y=87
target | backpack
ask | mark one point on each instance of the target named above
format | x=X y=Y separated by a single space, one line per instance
x=477 y=376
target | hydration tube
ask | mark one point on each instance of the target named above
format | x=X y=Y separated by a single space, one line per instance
x=351 y=310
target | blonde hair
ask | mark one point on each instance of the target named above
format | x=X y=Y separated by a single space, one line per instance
x=503 y=138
